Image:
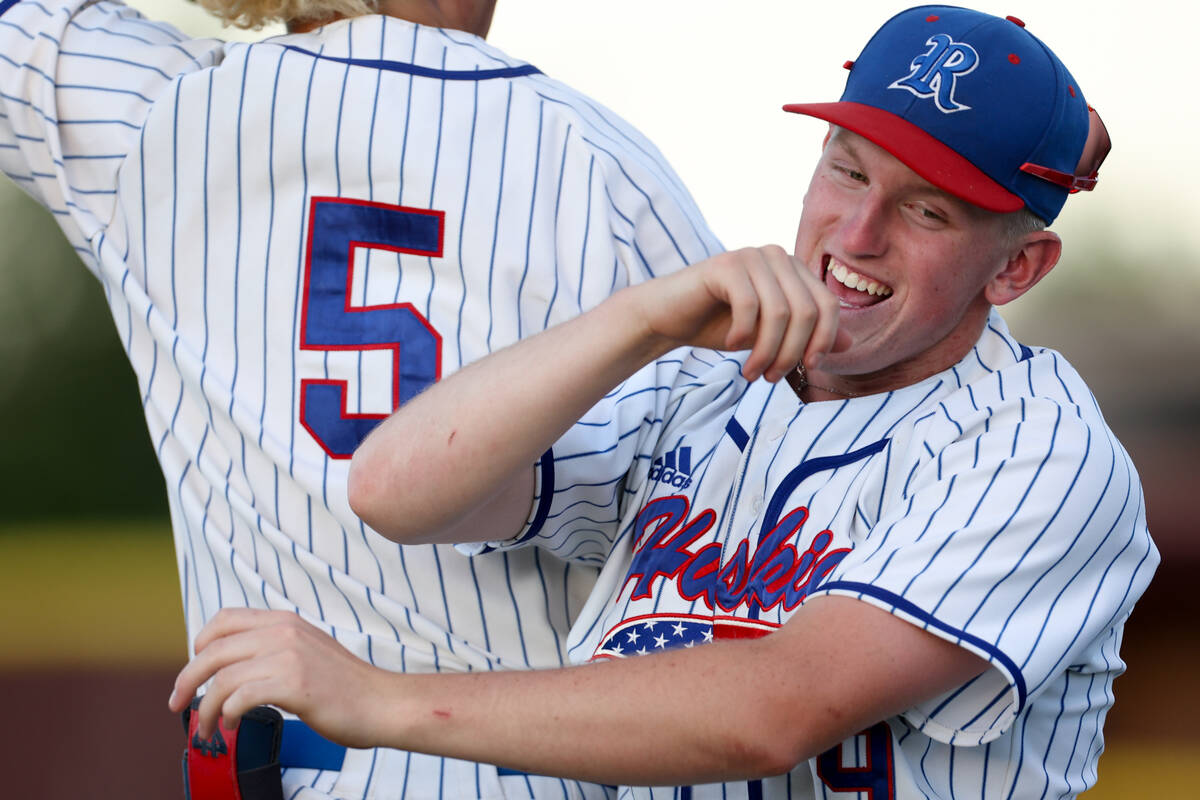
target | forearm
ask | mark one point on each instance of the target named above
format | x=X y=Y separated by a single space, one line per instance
x=476 y=434
x=645 y=720
x=680 y=717
x=722 y=711
x=719 y=712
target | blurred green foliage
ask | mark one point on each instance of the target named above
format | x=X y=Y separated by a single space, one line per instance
x=74 y=443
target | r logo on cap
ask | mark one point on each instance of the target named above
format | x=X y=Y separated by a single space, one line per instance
x=934 y=73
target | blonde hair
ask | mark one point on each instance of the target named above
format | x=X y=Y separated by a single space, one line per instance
x=1018 y=224
x=254 y=14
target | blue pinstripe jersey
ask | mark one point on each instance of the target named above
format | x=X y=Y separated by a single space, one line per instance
x=297 y=235
x=989 y=504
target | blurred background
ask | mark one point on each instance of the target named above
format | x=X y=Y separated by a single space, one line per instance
x=91 y=629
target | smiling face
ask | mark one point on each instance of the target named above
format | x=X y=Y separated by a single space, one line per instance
x=910 y=264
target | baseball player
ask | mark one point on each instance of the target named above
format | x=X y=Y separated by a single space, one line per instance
x=888 y=552
x=295 y=237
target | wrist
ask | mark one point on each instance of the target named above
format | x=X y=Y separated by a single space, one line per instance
x=425 y=713
x=385 y=711
x=632 y=321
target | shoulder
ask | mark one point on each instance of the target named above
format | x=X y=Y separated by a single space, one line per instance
x=1013 y=399
x=601 y=137
x=1002 y=376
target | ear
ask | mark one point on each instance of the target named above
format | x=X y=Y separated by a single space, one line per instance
x=1031 y=261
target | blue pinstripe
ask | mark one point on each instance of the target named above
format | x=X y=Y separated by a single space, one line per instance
x=112 y=59
x=116 y=34
x=1001 y=529
x=463 y=211
x=975 y=510
x=1066 y=389
x=983 y=703
x=517 y=611
x=496 y=220
x=641 y=191
x=1092 y=602
x=606 y=123
x=437 y=157
x=1029 y=549
x=49 y=79
x=463 y=40
x=266 y=311
x=622 y=139
x=299 y=263
x=248 y=492
x=232 y=554
x=537 y=165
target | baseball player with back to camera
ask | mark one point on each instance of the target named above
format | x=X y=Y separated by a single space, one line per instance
x=297 y=235
x=888 y=552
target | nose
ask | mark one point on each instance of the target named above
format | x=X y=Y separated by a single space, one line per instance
x=863 y=228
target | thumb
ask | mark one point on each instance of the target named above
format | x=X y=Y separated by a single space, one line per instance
x=841 y=342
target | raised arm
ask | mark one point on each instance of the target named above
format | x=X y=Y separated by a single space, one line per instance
x=455 y=463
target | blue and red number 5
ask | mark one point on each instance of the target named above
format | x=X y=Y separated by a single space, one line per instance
x=337 y=227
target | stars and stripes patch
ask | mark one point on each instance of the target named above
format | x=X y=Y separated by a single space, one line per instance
x=651 y=633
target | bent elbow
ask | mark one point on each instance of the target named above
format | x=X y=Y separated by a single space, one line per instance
x=758 y=746
x=763 y=756
x=367 y=494
x=774 y=738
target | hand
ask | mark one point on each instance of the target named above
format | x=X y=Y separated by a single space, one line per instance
x=760 y=299
x=274 y=657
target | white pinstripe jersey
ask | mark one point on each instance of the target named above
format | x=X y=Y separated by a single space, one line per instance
x=989 y=504
x=294 y=237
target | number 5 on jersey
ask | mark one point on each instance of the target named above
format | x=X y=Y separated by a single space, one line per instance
x=337 y=227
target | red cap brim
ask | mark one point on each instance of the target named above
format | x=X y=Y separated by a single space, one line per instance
x=916 y=149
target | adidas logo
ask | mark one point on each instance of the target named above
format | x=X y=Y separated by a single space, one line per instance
x=674 y=468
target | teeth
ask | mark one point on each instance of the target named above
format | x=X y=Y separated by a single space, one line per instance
x=852 y=280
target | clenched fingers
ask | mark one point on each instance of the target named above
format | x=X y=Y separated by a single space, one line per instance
x=790 y=317
x=238 y=648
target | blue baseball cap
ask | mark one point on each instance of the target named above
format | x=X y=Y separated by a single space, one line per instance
x=976 y=105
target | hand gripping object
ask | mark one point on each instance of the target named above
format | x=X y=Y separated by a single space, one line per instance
x=234 y=764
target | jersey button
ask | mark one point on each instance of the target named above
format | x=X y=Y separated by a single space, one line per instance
x=774 y=432
x=756 y=504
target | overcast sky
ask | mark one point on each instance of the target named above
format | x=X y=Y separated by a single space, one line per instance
x=705 y=79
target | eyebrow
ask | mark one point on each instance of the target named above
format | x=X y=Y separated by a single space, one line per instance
x=927 y=188
x=843 y=143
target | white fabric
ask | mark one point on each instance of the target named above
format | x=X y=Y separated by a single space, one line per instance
x=989 y=504
x=191 y=177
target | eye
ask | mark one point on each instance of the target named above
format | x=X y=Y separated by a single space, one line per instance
x=851 y=173
x=928 y=214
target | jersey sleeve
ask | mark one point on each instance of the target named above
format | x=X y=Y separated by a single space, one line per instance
x=654 y=223
x=77 y=81
x=1017 y=532
x=620 y=213
x=585 y=482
